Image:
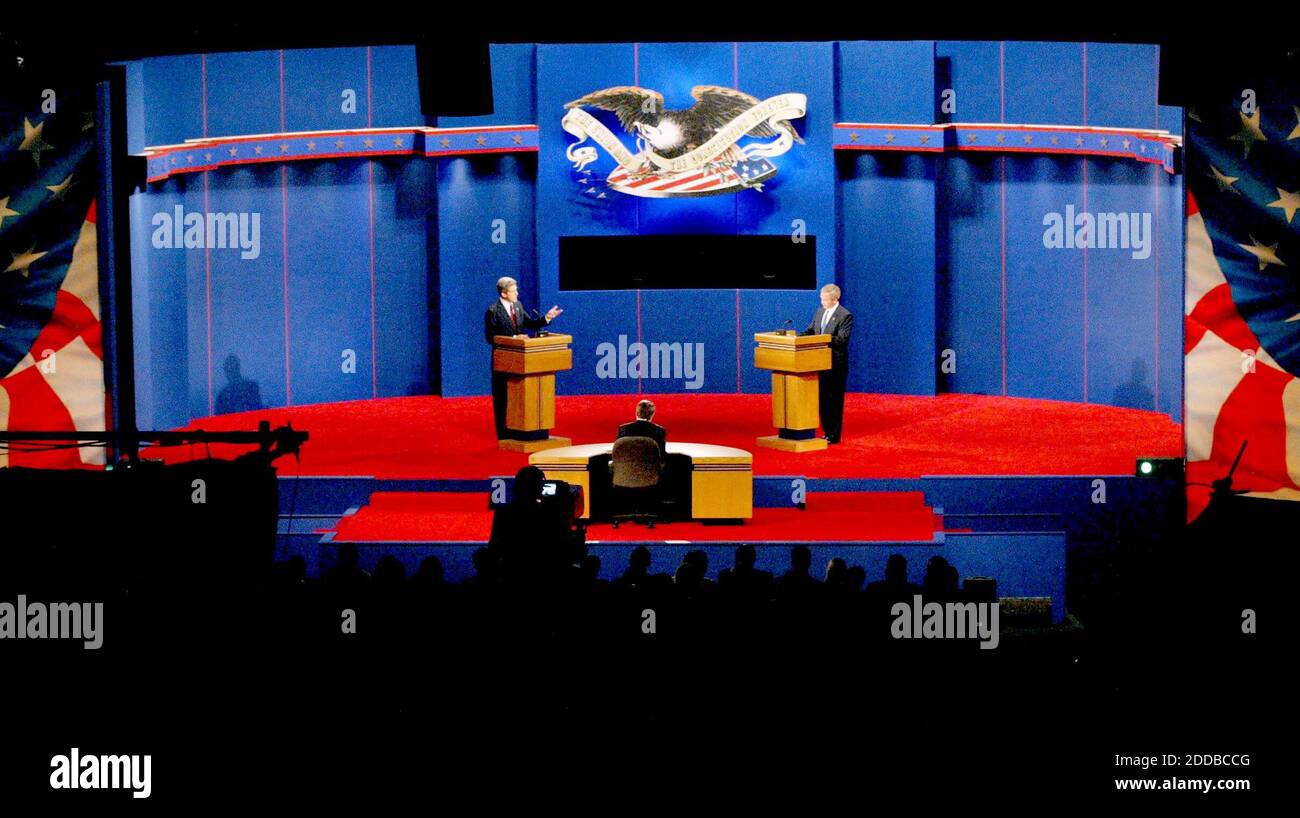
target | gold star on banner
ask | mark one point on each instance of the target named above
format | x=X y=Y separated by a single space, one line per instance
x=257 y=149
x=853 y=136
x=925 y=139
x=1295 y=132
x=1142 y=146
x=338 y=143
x=5 y=211
x=397 y=142
x=970 y=138
x=1288 y=202
x=1055 y=139
x=889 y=138
x=445 y=142
x=1127 y=144
x=189 y=158
x=208 y=156
x=284 y=147
x=311 y=146
x=1250 y=132
x=1001 y=139
x=233 y=151
x=1029 y=139
x=32 y=140
x=173 y=158
x=482 y=140
x=1105 y=142
x=1078 y=141
x=61 y=189
x=369 y=143
x=1225 y=182
x=519 y=140
x=1267 y=254
x=24 y=260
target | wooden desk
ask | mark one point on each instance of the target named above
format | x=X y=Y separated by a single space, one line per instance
x=722 y=478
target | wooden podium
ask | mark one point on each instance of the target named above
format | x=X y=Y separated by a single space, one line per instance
x=530 y=365
x=794 y=361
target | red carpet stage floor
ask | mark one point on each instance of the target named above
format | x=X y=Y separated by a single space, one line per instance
x=840 y=517
x=885 y=436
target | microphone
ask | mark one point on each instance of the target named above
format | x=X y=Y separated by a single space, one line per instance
x=787 y=324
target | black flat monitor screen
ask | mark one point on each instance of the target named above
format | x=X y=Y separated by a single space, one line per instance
x=688 y=262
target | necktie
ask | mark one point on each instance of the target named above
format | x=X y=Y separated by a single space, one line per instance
x=826 y=319
x=514 y=318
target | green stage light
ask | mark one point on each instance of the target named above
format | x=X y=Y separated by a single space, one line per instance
x=1159 y=467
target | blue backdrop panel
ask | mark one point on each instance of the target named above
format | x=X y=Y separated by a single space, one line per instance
x=394 y=89
x=1043 y=82
x=172 y=99
x=248 y=297
x=159 y=300
x=887 y=221
x=1122 y=289
x=973 y=74
x=888 y=210
x=1134 y=68
x=970 y=317
x=243 y=95
x=803 y=190
x=1171 y=224
x=403 y=203
x=479 y=199
x=329 y=281
x=135 y=113
x=319 y=77
x=1044 y=285
x=886 y=82
x=593 y=317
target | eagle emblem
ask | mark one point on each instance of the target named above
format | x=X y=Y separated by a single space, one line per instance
x=691 y=151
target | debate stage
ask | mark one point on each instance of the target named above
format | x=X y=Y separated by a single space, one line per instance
x=885 y=436
x=999 y=486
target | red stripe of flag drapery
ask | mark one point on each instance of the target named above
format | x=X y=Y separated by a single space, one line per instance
x=1242 y=297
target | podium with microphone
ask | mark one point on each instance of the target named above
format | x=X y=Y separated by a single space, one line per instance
x=795 y=361
x=530 y=365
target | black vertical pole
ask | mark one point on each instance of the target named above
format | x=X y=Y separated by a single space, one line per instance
x=113 y=234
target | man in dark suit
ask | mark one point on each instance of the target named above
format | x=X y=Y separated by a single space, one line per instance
x=508 y=317
x=643 y=427
x=832 y=319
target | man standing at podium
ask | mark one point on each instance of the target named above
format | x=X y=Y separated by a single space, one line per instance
x=833 y=320
x=507 y=316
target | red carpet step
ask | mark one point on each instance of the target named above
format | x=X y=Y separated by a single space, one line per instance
x=828 y=517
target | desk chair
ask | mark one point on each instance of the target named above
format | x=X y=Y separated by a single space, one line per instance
x=637 y=466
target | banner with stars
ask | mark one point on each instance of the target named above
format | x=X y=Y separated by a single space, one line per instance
x=1243 y=295
x=51 y=358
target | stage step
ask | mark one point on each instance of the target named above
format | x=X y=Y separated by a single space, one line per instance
x=428 y=501
x=866 y=500
x=448 y=516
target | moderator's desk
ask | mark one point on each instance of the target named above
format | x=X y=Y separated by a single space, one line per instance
x=721 y=478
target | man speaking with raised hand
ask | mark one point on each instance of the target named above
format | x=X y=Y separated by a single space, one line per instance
x=507 y=316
